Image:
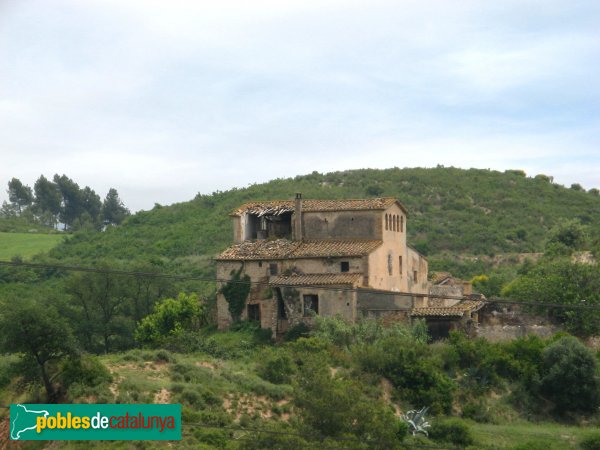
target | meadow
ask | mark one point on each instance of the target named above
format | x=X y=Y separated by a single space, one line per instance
x=26 y=245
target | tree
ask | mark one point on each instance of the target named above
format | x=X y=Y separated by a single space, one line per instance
x=47 y=201
x=568 y=233
x=113 y=209
x=19 y=194
x=565 y=283
x=92 y=205
x=331 y=406
x=40 y=334
x=100 y=301
x=570 y=377
x=72 y=205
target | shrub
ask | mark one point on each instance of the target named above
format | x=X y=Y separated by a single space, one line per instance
x=477 y=411
x=87 y=370
x=297 y=331
x=590 y=442
x=172 y=317
x=275 y=366
x=409 y=366
x=570 y=377
x=453 y=431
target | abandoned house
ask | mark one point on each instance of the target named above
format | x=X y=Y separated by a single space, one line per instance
x=327 y=257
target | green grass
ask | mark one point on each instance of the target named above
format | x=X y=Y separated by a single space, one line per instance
x=524 y=435
x=26 y=245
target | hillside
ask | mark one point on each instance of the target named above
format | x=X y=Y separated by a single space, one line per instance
x=452 y=211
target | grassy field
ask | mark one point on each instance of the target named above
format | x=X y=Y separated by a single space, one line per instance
x=26 y=245
x=549 y=436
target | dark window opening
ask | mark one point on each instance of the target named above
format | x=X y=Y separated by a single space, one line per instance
x=386 y=222
x=415 y=275
x=402 y=224
x=345 y=266
x=273 y=268
x=263 y=227
x=260 y=264
x=311 y=305
x=390 y=265
x=400 y=265
x=254 y=313
x=281 y=313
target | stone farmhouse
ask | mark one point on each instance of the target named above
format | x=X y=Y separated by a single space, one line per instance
x=327 y=257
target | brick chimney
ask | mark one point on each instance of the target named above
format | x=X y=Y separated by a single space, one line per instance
x=298 y=218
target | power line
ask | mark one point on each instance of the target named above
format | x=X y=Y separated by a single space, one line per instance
x=498 y=300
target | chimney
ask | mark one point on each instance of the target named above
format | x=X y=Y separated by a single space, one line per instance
x=298 y=217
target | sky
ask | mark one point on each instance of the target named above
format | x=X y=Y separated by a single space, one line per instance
x=164 y=100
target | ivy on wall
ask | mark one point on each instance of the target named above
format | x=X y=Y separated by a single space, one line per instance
x=236 y=292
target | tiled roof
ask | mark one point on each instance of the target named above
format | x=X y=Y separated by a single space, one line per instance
x=285 y=249
x=438 y=277
x=281 y=206
x=309 y=249
x=320 y=279
x=263 y=249
x=457 y=310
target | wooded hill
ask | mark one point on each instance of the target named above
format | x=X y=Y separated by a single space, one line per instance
x=452 y=211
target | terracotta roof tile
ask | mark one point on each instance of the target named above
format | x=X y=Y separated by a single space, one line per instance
x=320 y=279
x=309 y=249
x=282 y=206
x=285 y=249
x=438 y=277
x=457 y=310
x=264 y=249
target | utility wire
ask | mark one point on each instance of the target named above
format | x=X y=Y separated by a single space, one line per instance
x=498 y=300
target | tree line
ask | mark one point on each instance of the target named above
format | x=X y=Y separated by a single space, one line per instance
x=62 y=201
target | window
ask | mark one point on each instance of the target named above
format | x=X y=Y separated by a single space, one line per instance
x=400 y=265
x=254 y=313
x=402 y=224
x=386 y=222
x=273 y=268
x=390 y=264
x=393 y=219
x=311 y=305
x=345 y=266
x=415 y=275
x=260 y=264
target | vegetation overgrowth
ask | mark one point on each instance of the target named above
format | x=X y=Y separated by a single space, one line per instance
x=344 y=385
x=143 y=337
x=452 y=212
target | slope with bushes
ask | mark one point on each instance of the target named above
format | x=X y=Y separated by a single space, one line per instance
x=452 y=211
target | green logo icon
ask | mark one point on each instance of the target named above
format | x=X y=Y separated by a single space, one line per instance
x=95 y=422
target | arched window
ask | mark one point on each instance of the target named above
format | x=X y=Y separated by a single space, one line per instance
x=393 y=227
x=396 y=223
x=402 y=224
x=386 y=222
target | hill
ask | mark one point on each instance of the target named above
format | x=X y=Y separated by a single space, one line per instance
x=452 y=211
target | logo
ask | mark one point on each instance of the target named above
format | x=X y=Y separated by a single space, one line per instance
x=95 y=422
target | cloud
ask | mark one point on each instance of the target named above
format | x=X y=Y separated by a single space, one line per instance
x=164 y=100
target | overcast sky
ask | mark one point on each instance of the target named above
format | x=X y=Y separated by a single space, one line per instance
x=165 y=99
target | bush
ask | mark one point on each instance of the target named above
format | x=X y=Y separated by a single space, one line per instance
x=453 y=431
x=172 y=317
x=87 y=370
x=590 y=442
x=297 y=331
x=570 y=377
x=419 y=378
x=275 y=366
